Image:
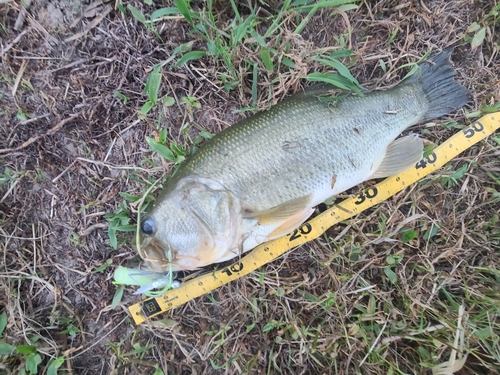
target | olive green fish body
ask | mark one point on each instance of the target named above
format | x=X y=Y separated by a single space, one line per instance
x=261 y=178
x=296 y=147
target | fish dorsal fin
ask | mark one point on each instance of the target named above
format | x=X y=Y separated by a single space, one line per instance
x=400 y=155
x=280 y=213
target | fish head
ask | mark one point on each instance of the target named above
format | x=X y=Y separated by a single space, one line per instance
x=191 y=226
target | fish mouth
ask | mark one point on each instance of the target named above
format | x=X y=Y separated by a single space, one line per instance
x=157 y=256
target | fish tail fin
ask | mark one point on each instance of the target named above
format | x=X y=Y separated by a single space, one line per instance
x=444 y=94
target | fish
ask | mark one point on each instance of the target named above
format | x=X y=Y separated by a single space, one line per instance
x=262 y=177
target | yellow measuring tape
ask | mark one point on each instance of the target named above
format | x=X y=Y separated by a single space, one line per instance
x=314 y=228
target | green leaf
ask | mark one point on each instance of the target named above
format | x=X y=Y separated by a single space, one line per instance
x=341 y=68
x=205 y=134
x=153 y=84
x=191 y=101
x=478 y=38
x=137 y=14
x=168 y=101
x=54 y=364
x=32 y=362
x=164 y=12
x=129 y=197
x=158 y=371
x=266 y=59
x=6 y=349
x=120 y=96
x=341 y=53
x=431 y=232
x=192 y=55
x=412 y=71
x=175 y=148
x=391 y=275
x=162 y=150
x=307 y=6
x=408 y=235
x=258 y=38
x=250 y=327
x=183 y=6
x=118 y=296
x=126 y=228
x=331 y=78
x=491 y=109
x=288 y=62
x=382 y=65
x=71 y=329
x=183 y=48
x=3 y=322
x=26 y=349
x=459 y=173
x=103 y=266
x=120 y=7
x=113 y=241
x=347 y=7
x=21 y=116
x=212 y=48
x=474 y=26
x=147 y=107
x=255 y=81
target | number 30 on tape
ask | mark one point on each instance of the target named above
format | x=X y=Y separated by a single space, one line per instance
x=314 y=228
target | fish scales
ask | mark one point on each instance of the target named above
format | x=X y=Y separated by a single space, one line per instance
x=283 y=160
x=262 y=177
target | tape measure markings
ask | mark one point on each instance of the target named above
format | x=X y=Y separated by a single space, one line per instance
x=315 y=227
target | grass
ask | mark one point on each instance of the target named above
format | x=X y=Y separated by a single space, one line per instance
x=408 y=287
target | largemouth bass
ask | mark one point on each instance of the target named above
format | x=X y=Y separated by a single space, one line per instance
x=262 y=177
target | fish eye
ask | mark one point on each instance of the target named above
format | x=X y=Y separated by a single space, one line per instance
x=148 y=226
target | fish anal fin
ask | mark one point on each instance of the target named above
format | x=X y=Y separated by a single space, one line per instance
x=282 y=212
x=289 y=225
x=400 y=155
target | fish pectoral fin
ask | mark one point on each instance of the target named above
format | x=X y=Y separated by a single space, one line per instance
x=400 y=155
x=281 y=212
x=290 y=224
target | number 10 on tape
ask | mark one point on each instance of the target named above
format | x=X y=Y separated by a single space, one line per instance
x=314 y=228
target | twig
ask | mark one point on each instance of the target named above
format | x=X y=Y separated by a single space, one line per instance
x=51 y=131
x=11 y=44
x=63 y=172
x=90 y=229
x=70 y=65
x=34 y=119
x=22 y=15
x=93 y=24
x=19 y=76
x=373 y=345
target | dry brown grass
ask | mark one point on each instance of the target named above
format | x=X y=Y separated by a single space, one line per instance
x=328 y=307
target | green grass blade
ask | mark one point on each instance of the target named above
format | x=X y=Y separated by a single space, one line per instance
x=193 y=55
x=339 y=67
x=137 y=14
x=266 y=59
x=162 y=150
x=157 y=14
x=184 y=9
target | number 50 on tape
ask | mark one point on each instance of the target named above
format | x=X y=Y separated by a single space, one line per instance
x=314 y=228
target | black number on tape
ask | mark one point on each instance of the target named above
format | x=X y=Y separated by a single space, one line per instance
x=476 y=126
x=368 y=193
x=304 y=229
x=150 y=307
x=234 y=268
x=431 y=159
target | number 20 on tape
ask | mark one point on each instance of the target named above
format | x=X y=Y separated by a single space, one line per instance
x=314 y=228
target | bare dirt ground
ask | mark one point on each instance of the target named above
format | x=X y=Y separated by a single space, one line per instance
x=69 y=145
